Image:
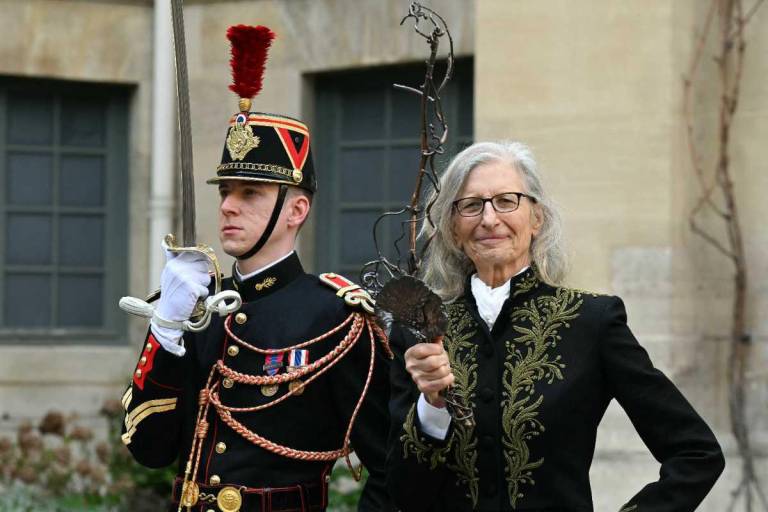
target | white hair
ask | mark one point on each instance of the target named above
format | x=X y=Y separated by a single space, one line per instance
x=445 y=267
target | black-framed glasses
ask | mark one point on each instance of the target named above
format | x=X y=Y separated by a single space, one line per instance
x=503 y=203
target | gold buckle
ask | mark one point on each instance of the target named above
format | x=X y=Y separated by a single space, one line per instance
x=229 y=499
x=190 y=493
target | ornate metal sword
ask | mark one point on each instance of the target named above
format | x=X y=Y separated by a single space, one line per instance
x=218 y=302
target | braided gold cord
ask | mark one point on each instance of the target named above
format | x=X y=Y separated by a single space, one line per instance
x=216 y=401
x=359 y=472
x=209 y=395
x=278 y=449
x=293 y=453
x=254 y=348
x=383 y=338
x=268 y=380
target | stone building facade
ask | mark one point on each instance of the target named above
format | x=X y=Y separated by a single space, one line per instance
x=594 y=87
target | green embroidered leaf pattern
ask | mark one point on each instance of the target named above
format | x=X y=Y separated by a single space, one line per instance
x=529 y=360
x=418 y=446
x=529 y=282
x=462 y=444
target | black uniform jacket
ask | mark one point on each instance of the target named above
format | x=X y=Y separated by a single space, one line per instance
x=283 y=306
x=539 y=384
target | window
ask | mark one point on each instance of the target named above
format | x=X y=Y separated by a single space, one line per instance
x=366 y=146
x=63 y=211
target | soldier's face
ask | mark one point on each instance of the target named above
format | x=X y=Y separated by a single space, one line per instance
x=244 y=212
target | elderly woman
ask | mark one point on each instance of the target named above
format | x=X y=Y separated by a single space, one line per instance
x=537 y=363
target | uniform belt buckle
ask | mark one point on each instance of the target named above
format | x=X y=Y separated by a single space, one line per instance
x=229 y=499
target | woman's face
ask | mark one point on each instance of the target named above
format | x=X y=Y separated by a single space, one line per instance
x=491 y=238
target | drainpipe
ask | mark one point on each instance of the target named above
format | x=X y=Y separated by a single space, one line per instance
x=162 y=194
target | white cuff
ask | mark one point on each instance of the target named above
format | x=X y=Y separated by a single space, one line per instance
x=170 y=339
x=435 y=421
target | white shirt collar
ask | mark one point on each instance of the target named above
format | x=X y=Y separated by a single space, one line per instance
x=242 y=277
x=489 y=300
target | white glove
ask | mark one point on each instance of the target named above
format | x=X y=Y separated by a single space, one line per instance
x=184 y=280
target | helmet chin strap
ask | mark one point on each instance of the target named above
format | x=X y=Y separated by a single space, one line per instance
x=270 y=225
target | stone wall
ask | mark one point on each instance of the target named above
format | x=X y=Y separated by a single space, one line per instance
x=594 y=87
x=94 y=41
x=597 y=92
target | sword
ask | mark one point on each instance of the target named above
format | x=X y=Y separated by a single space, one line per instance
x=185 y=125
x=221 y=302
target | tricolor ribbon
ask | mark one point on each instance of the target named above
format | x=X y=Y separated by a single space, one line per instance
x=298 y=358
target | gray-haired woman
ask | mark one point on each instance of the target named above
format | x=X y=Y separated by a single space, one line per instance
x=538 y=364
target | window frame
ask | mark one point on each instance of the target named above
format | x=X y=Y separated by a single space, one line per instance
x=327 y=142
x=114 y=267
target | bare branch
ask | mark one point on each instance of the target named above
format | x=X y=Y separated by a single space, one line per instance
x=711 y=240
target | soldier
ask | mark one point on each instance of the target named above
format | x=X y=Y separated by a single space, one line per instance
x=259 y=406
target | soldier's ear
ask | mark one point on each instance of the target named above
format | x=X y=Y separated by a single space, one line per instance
x=298 y=209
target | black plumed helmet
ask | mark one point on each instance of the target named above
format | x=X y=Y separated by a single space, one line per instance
x=259 y=146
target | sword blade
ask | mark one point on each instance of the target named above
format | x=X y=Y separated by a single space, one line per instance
x=189 y=238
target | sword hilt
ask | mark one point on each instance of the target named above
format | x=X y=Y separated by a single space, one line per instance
x=221 y=302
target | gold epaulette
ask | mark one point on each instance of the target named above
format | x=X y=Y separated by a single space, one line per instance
x=352 y=293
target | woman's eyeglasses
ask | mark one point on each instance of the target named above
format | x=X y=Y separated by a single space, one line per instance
x=502 y=203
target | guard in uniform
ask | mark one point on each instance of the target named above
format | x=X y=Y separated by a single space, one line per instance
x=259 y=406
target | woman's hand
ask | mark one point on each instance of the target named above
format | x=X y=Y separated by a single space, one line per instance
x=430 y=369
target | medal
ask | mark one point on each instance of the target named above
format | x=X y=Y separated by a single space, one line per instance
x=296 y=387
x=269 y=390
x=297 y=359
x=273 y=363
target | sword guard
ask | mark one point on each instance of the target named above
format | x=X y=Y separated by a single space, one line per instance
x=220 y=302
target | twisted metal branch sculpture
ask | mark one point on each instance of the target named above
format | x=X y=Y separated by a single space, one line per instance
x=401 y=297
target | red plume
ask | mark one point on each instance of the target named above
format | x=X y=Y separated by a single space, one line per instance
x=249 y=54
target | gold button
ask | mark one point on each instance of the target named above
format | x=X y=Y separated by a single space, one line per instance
x=148 y=348
x=241 y=318
x=227 y=383
x=138 y=372
x=233 y=350
x=221 y=447
x=331 y=275
x=143 y=360
x=215 y=480
x=210 y=510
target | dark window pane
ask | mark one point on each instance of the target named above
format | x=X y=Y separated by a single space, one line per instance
x=466 y=106
x=30 y=119
x=362 y=115
x=405 y=115
x=82 y=180
x=395 y=237
x=29 y=179
x=360 y=172
x=28 y=239
x=83 y=122
x=27 y=300
x=403 y=170
x=356 y=236
x=81 y=240
x=87 y=309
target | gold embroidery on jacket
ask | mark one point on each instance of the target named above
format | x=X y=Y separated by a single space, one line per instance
x=417 y=445
x=462 y=443
x=529 y=281
x=266 y=283
x=529 y=360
